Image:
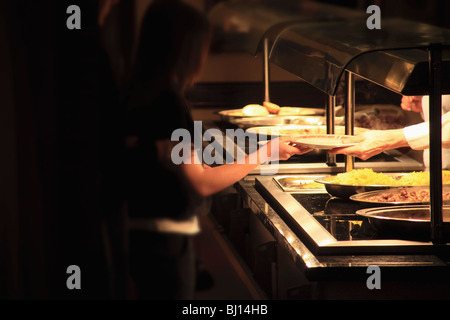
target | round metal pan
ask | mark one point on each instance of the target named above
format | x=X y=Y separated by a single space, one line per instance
x=365 y=197
x=347 y=190
x=411 y=222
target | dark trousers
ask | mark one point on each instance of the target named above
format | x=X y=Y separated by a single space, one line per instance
x=162 y=265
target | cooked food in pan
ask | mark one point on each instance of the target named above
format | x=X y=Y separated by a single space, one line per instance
x=363 y=177
x=403 y=195
x=357 y=181
x=420 y=178
x=367 y=176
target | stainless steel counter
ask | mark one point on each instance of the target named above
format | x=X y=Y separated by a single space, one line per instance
x=293 y=256
x=320 y=240
x=409 y=268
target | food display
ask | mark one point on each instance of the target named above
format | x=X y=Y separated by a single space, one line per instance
x=400 y=195
x=367 y=176
x=420 y=178
x=404 y=195
x=271 y=107
x=364 y=176
x=268 y=110
x=380 y=117
x=255 y=110
x=406 y=221
x=344 y=185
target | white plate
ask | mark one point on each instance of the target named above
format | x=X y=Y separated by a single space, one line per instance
x=299 y=130
x=301 y=111
x=237 y=113
x=323 y=141
x=287 y=130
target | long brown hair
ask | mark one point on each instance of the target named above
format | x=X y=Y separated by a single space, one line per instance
x=173 y=42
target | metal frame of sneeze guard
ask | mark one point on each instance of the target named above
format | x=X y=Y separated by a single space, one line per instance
x=394 y=57
x=405 y=57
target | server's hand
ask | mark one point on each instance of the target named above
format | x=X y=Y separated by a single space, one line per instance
x=412 y=103
x=372 y=142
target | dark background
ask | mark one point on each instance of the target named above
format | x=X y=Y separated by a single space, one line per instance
x=60 y=185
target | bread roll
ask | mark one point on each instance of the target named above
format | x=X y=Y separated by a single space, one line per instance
x=271 y=107
x=255 y=110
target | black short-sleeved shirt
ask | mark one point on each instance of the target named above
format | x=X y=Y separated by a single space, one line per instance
x=154 y=190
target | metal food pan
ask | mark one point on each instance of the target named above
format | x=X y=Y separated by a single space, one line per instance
x=365 y=197
x=299 y=184
x=347 y=190
x=412 y=221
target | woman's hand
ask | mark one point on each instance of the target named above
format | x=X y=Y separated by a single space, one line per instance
x=286 y=148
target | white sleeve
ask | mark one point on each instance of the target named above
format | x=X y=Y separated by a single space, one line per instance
x=446 y=103
x=425 y=104
x=417 y=135
x=446 y=130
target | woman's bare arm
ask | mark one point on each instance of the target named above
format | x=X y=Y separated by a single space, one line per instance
x=209 y=180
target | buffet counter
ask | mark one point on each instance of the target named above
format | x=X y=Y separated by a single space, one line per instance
x=309 y=245
x=296 y=254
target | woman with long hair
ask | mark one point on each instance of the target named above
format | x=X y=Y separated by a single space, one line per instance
x=174 y=43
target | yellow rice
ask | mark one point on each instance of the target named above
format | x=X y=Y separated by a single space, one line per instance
x=367 y=176
x=422 y=178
